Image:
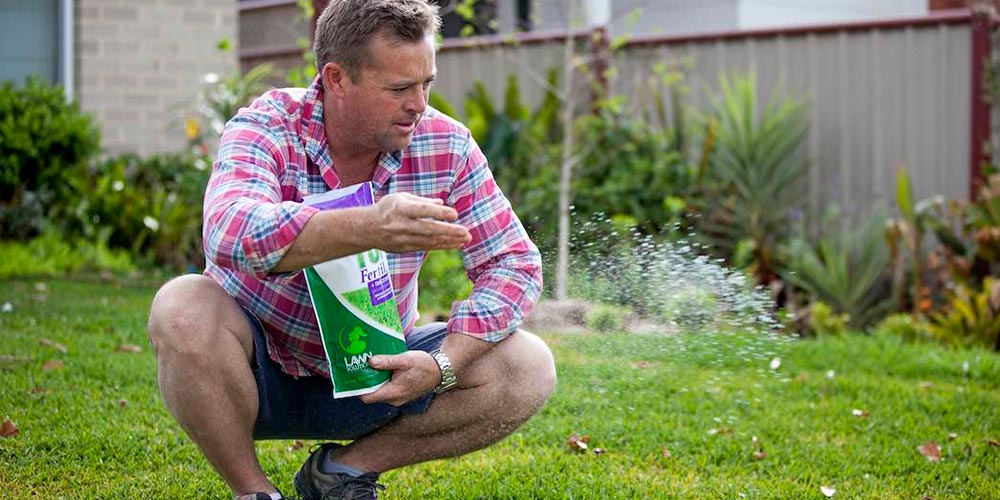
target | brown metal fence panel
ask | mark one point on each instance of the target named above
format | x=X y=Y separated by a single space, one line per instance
x=882 y=96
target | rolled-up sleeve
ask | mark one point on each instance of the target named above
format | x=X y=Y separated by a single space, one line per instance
x=502 y=262
x=247 y=226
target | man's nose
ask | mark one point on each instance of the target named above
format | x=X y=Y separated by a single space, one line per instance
x=417 y=103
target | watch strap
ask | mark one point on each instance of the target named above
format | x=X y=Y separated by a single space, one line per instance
x=448 y=379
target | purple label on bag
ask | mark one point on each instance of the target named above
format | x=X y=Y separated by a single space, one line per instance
x=380 y=289
x=360 y=198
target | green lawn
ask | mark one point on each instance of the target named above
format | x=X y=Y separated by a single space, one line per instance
x=96 y=428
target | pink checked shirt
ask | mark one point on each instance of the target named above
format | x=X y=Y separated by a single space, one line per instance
x=274 y=153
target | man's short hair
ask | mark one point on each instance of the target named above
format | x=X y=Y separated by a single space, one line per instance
x=345 y=27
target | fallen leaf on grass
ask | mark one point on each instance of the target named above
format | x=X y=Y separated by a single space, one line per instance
x=993 y=442
x=55 y=345
x=642 y=364
x=39 y=390
x=129 y=348
x=724 y=431
x=666 y=452
x=930 y=450
x=297 y=445
x=757 y=450
x=577 y=442
x=828 y=491
x=859 y=413
x=52 y=364
x=8 y=429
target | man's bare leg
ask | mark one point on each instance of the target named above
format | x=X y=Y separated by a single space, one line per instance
x=203 y=345
x=497 y=393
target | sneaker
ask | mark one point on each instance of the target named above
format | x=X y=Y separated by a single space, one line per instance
x=312 y=483
x=256 y=496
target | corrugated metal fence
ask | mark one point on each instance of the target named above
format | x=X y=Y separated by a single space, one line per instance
x=883 y=95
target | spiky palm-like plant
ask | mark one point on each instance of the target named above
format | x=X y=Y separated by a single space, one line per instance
x=752 y=183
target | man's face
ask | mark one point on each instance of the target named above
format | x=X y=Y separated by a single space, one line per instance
x=385 y=101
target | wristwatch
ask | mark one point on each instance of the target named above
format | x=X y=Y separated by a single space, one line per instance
x=448 y=380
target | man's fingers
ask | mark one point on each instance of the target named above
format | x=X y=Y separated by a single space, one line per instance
x=436 y=201
x=389 y=362
x=436 y=211
x=388 y=393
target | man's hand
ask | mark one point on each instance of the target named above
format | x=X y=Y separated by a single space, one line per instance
x=414 y=373
x=404 y=222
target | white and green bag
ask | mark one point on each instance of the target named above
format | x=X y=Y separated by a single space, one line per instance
x=355 y=305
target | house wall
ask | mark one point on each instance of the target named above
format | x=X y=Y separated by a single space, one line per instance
x=637 y=17
x=140 y=64
x=681 y=17
x=768 y=13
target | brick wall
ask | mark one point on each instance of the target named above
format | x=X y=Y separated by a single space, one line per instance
x=140 y=63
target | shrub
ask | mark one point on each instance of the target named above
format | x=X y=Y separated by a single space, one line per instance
x=149 y=206
x=605 y=318
x=691 y=308
x=847 y=268
x=903 y=326
x=755 y=166
x=972 y=317
x=51 y=254
x=46 y=142
x=442 y=281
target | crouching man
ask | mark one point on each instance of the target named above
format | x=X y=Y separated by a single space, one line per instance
x=238 y=349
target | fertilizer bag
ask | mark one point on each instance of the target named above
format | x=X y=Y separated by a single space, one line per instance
x=355 y=305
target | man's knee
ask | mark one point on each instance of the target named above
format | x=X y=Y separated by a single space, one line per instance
x=532 y=374
x=187 y=313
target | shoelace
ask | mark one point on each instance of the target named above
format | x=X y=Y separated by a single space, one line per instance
x=363 y=483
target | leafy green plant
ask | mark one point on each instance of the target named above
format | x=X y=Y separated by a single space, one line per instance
x=972 y=317
x=442 y=281
x=302 y=76
x=218 y=100
x=903 y=326
x=630 y=169
x=520 y=144
x=46 y=141
x=606 y=318
x=845 y=268
x=150 y=206
x=755 y=165
x=823 y=320
x=49 y=253
x=966 y=251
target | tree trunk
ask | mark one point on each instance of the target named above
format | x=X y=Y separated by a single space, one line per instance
x=566 y=171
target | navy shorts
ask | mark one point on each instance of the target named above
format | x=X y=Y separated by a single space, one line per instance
x=304 y=408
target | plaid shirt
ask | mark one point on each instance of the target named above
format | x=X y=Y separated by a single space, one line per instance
x=275 y=152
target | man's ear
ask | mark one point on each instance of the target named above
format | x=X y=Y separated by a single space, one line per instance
x=334 y=79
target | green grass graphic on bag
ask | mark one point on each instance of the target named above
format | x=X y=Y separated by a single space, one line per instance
x=355 y=306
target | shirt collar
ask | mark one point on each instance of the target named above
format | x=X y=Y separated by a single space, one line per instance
x=318 y=147
x=315 y=140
